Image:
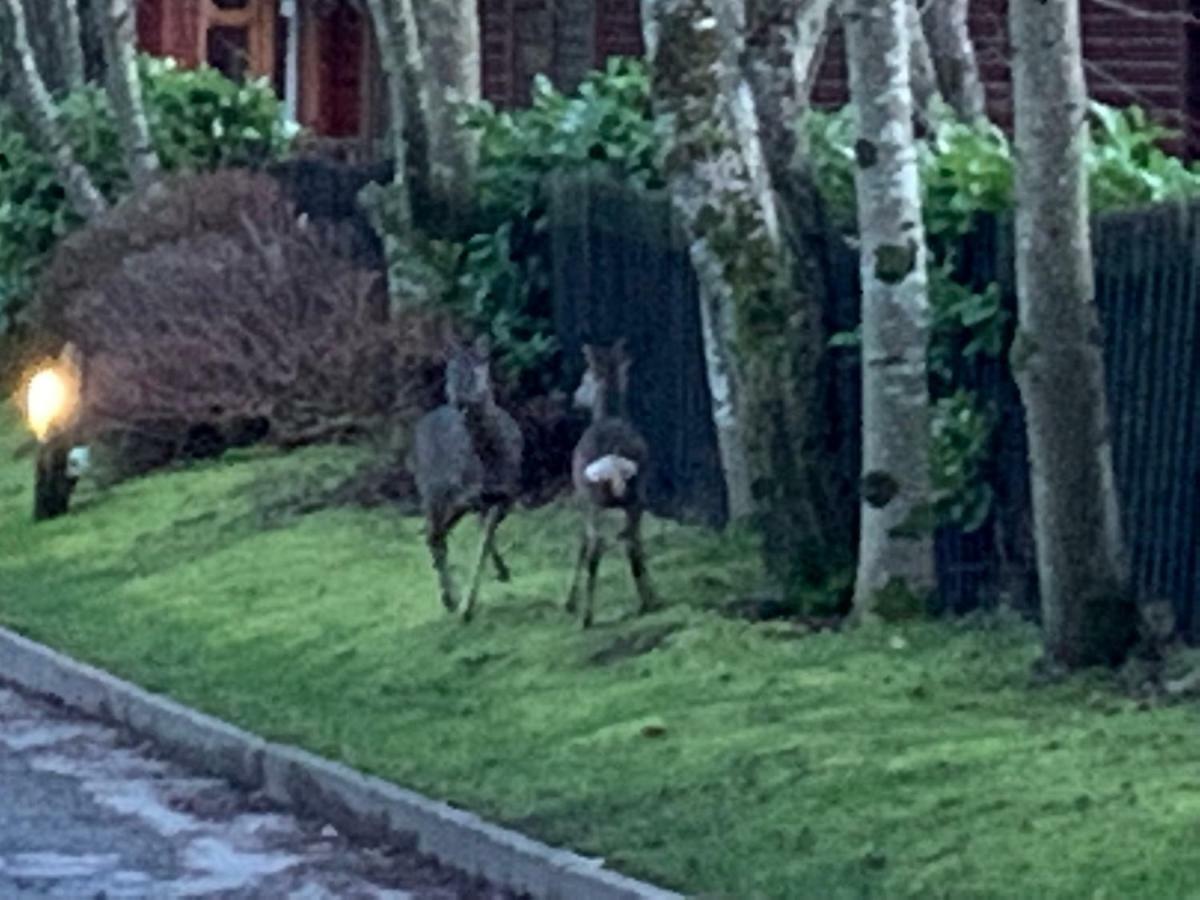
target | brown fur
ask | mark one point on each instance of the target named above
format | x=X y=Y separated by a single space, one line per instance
x=466 y=458
x=603 y=390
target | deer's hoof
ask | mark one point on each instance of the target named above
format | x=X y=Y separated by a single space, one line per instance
x=450 y=603
x=587 y=621
x=504 y=576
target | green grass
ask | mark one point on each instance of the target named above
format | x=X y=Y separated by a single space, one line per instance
x=732 y=760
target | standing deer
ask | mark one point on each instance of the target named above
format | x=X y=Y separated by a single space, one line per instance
x=466 y=458
x=608 y=469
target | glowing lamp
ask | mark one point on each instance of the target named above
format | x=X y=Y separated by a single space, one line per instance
x=51 y=398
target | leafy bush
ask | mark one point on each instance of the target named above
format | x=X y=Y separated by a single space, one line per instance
x=503 y=284
x=967 y=170
x=962 y=434
x=199 y=120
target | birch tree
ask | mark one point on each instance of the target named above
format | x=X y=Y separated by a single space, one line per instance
x=760 y=316
x=921 y=73
x=430 y=52
x=39 y=112
x=1087 y=611
x=68 y=42
x=392 y=32
x=448 y=32
x=953 y=53
x=895 y=552
x=118 y=31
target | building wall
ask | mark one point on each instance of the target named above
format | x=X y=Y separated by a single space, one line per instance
x=1129 y=59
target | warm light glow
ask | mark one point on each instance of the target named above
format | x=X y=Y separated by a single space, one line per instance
x=50 y=401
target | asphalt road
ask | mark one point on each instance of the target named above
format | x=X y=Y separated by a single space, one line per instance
x=84 y=814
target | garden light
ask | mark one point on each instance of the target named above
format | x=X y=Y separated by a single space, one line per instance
x=50 y=400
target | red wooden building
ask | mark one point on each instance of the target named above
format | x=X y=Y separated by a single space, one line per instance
x=321 y=57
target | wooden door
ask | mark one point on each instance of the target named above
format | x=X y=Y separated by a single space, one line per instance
x=237 y=37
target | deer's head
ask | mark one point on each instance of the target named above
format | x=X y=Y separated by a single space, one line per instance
x=606 y=379
x=468 y=374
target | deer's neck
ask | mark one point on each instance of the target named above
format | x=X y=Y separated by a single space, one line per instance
x=482 y=419
x=608 y=404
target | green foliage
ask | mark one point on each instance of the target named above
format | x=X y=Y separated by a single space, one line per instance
x=964 y=323
x=962 y=434
x=504 y=283
x=1127 y=164
x=198 y=120
x=967 y=171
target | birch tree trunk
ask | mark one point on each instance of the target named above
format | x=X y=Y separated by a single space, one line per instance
x=40 y=113
x=391 y=34
x=761 y=318
x=895 y=552
x=784 y=47
x=1088 y=614
x=68 y=43
x=922 y=75
x=118 y=33
x=449 y=40
x=953 y=52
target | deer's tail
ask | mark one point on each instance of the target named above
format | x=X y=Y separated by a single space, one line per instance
x=613 y=470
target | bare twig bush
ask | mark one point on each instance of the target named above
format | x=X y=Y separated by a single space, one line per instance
x=224 y=338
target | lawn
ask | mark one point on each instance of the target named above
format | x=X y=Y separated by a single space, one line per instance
x=708 y=754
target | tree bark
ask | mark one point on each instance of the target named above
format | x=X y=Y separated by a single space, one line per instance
x=761 y=324
x=1088 y=613
x=391 y=34
x=69 y=44
x=953 y=52
x=449 y=42
x=41 y=115
x=895 y=543
x=118 y=32
x=784 y=47
x=922 y=75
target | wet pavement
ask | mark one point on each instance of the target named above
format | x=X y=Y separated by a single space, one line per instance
x=88 y=815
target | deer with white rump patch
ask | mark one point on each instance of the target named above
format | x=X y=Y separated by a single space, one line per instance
x=466 y=458
x=608 y=469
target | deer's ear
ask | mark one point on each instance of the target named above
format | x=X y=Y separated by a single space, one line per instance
x=483 y=346
x=621 y=350
x=589 y=354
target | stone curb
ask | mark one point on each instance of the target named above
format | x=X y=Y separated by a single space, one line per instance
x=358 y=805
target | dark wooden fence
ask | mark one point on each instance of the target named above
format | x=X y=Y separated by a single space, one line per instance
x=621 y=268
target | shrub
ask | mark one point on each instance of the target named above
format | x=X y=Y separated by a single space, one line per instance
x=199 y=120
x=264 y=330
x=499 y=281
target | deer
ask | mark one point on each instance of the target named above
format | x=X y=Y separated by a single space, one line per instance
x=466 y=458
x=608 y=471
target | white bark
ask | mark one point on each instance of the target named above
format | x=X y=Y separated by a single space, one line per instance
x=392 y=29
x=450 y=45
x=69 y=43
x=922 y=76
x=1088 y=616
x=40 y=113
x=895 y=309
x=118 y=33
x=953 y=52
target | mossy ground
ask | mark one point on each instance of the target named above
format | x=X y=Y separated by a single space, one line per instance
x=711 y=755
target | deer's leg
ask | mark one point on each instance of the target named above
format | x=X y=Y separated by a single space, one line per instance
x=595 y=549
x=491 y=521
x=637 y=561
x=581 y=559
x=436 y=534
x=502 y=571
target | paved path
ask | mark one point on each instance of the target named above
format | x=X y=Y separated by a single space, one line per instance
x=88 y=816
